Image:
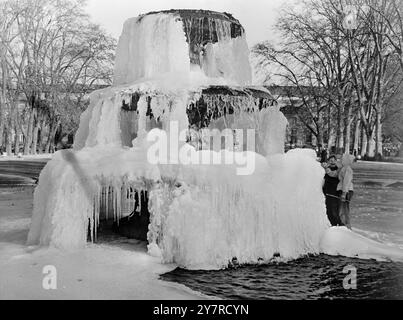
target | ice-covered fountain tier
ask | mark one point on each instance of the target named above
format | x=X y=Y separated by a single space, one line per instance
x=177 y=70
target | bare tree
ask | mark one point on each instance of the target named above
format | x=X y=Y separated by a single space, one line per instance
x=56 y=56
x=375 y=75
x=313 y=60
x=351 y=69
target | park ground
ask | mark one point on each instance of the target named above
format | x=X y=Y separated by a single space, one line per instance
x=121 y=269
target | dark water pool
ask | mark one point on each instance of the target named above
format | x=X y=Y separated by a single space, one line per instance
x=315 y=277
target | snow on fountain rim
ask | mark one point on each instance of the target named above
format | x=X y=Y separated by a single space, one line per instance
x=168 y=84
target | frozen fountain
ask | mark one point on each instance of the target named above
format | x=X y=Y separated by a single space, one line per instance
x=179 y=70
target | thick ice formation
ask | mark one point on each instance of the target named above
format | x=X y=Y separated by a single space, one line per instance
x=151 y=46
x=215 y=215
x=154 y=45
x=201 y=216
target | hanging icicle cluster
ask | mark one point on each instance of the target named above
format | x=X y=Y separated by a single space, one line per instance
x=221 y=105
x=220 y=102
x=116 y=199
x=202 y=30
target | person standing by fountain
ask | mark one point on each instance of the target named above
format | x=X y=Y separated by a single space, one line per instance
x=345 y=189
x=330 y=185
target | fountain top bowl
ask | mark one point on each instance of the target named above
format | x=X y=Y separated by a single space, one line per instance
x=197 y=13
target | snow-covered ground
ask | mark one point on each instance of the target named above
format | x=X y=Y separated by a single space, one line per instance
x=103 y=271
x=44 y=156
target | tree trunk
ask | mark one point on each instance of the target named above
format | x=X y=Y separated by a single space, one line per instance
x=348 y=117
x=29 y=132
x=370 y=152
x=50 y=144
x=35 y=139
x=339 y=139
x=357 y=136
x=319 y=140
x=9 y=140
x=11 y=124
x=17 y=140
x=3 y=96
x=35 y=133
x=347 y=145
x=1 y=126
x=378 y=137
x=332 y=140
x=1 y=140
x=364 y=141
x=42 y=136
x=47 y=146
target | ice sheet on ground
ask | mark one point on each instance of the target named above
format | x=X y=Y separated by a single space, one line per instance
x=344 y=242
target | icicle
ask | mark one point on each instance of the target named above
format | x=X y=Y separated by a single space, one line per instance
x=96 y=218
x=92 y=218
x=141 y=201
x=115 y=211
x=132 y=199
x=107 y=191
x=142 y=122
x=105 y=201
x=119 y=201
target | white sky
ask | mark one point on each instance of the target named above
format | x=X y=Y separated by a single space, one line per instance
x=256 y=16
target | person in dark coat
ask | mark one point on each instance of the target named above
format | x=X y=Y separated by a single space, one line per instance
x=330 y=190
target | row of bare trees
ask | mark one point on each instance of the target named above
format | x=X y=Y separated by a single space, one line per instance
x=344 y=63
x=51 y=55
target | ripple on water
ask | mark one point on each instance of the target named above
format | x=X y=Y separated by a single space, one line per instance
x=315 y=277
